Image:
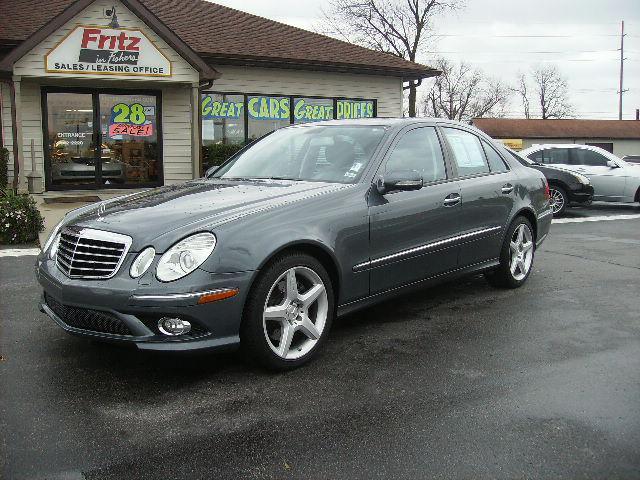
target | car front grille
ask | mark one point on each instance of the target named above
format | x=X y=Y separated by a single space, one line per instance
x=91 y=254
x=86 y=319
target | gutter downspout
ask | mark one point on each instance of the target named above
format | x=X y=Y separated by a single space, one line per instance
x=14 y=134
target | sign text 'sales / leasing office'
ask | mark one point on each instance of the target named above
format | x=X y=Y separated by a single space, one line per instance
x=107 y=51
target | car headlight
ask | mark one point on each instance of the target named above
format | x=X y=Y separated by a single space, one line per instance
x=53 y=236
x=582 y=179
x=142 y=262
x=185 y=256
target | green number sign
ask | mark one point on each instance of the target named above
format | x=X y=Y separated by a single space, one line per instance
x=132 y=114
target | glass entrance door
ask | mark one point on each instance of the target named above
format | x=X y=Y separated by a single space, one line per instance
x=71 y=140
x=102 y=139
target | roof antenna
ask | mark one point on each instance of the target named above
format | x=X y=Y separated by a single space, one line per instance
x=114 y=18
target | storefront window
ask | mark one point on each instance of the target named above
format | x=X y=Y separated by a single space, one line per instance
x=233 y=119
x=267 y=114
x=222 y=119
x=129 y=150
x=70 y=139
x=312 y=109
x=350 y=109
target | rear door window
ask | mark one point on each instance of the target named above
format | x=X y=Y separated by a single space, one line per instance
x=467 y=152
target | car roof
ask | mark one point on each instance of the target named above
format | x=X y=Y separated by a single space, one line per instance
x=390 y=121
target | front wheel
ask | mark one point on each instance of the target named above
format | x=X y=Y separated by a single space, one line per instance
x=516 y=256
x=289 y=312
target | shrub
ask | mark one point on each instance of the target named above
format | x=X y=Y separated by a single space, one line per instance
x=216 y=154
x=4 y=168
x=20 y=219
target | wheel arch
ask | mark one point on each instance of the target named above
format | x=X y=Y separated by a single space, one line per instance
x=530 y=215
x=315 y=249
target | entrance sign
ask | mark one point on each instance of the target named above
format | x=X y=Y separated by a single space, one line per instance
x=107 y=51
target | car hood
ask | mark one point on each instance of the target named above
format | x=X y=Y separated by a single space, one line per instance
x=196 y=205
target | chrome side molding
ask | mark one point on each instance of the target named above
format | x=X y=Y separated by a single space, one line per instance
x=376 y=262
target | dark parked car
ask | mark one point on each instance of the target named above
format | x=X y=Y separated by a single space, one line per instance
x=632 y=159
x=310 y=222
x=566 y=189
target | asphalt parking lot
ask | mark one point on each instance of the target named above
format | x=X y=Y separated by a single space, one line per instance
x=457 y=381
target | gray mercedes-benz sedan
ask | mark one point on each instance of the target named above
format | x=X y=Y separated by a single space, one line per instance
x=306 y=224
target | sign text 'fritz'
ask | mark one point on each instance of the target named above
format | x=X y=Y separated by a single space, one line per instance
x=107 y=51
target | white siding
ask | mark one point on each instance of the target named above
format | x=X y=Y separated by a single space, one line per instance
x=176 y=132
x=386 y=90
x=31 y=126
x=7 y=135
x=32 y=64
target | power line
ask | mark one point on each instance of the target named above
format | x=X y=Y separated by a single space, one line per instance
x=528 y=51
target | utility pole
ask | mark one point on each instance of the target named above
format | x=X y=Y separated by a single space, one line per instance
x=621 y=72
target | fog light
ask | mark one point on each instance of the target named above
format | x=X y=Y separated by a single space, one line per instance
x=173 y=326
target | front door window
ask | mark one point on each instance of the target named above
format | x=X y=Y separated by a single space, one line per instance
x=102 y=140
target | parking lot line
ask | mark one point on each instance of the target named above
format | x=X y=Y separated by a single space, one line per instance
x=599 y=218
x=19 y=252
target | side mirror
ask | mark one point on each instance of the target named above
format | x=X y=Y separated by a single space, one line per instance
x=399 y=180
x=612 y=164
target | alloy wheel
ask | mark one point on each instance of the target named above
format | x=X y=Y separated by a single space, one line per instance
x=295 y=313
x=521 y=250
x=557 y=200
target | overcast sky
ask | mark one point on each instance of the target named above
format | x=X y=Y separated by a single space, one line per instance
x=502 y=38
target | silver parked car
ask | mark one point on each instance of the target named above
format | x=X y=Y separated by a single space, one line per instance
x=613 y=179
x=310 y=222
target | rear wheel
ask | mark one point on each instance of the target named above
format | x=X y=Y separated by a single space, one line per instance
x=558 y=200
x=516 y=256
x=289 y=312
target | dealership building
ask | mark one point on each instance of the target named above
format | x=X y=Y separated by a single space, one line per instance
x=105 y=94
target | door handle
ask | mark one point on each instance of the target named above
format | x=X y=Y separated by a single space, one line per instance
x=507 y=189
x=451 y=200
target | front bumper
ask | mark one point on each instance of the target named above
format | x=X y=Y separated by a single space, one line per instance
x=126 y=310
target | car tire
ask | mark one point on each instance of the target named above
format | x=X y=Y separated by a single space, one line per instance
x=289 y=312
x=558 y=199
x=516 y=256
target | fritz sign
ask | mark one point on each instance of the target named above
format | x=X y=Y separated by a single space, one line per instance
x=107 y=51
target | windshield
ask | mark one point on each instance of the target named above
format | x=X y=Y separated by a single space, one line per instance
x=314 y=153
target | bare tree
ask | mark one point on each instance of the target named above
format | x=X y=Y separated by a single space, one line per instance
x=398 y=27
x=462 y=92
x=549 y=90
x=522 y=89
